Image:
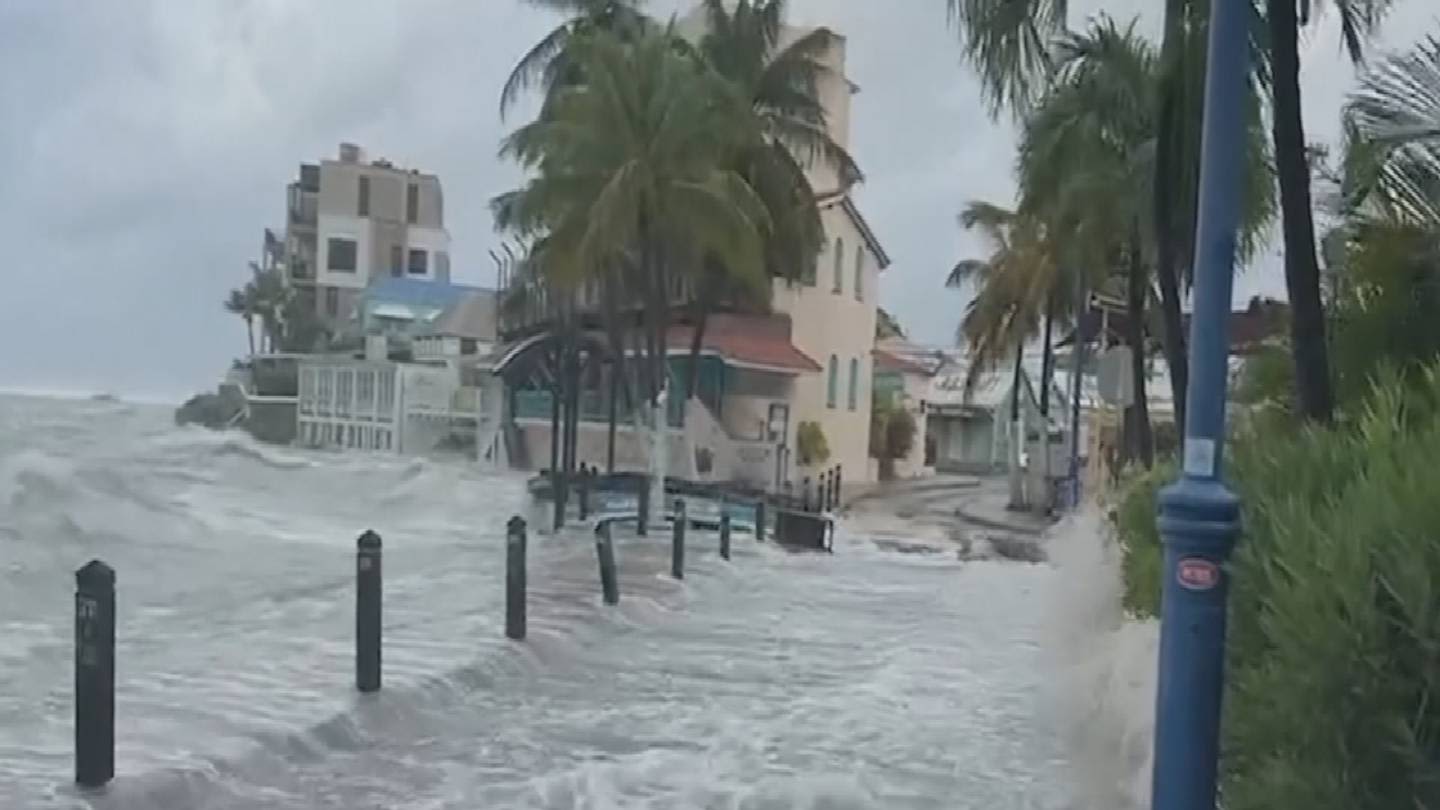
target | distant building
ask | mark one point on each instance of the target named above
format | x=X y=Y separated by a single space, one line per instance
x=352 y=221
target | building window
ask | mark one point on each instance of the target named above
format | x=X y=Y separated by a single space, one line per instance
x=839 y=266
x=832 y=396
x=397 y=261
x=332 y=302
x=418 y=264
x=362 y=205
x=859 y=272
x=412 y=203
x=852 y=397
x=340 y=256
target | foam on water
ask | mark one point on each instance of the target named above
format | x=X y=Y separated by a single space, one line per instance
x=867 y=679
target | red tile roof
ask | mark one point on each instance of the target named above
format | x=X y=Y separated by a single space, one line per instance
x=747 y=340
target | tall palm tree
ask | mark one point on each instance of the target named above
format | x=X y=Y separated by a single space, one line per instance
x=549 y=62
x=1088 y=167
x=779 y=82
x=1011 y=287
x=1358 y=20
x=632 y=183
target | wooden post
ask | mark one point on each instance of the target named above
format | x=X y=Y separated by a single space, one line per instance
x=677 y=542
x=725 y=536
x=605 y=551
x=94 y=674
x=367 y=612
x=515 y=584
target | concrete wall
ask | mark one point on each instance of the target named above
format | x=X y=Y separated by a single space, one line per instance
x=748 y=397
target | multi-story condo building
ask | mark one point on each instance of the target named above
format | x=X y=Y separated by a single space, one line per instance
x=351 y=221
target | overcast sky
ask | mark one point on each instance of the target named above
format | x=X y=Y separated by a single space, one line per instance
x=144 y=145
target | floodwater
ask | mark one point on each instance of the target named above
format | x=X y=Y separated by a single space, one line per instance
x=866 y=679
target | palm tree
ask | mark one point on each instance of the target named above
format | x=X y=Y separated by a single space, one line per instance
x=1088 y=167
x=549 y=63
x=1358 y=20
x=779 y=82
x=1011 y=284
x=241 y=301
x=1008 y=44
x=1393 y=153
x=633 y=185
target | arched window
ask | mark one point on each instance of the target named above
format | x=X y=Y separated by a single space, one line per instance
x=839 y=266
x=833 y=390
x=854 y=394
x=859 y=272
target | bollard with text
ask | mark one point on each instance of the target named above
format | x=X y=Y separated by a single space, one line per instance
x=725 y=537
x=94 y=674
x=605 y=551
x=677 y=542
x=805 y=494
x=1199 y=517
x=367 y=612
x=515 y=585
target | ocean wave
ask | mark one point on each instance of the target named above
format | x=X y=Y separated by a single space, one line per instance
x=201 y=444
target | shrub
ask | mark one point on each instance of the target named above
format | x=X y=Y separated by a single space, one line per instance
x=1334 y=648
x=810 y=444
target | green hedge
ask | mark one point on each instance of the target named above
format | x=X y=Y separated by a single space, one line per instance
x=1333 y=695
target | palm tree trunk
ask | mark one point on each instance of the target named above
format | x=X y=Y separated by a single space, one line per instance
x=701 y=307
x=1047 y=372
x=1136 y=287
x=1169 y=182
x=1302 y=269
x=1017 y=433
x=250 y=333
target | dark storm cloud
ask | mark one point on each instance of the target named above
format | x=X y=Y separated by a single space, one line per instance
x=143 y=145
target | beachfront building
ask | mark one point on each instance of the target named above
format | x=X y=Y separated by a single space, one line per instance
x=351 y=221
x=805 y=365
x=419 y=386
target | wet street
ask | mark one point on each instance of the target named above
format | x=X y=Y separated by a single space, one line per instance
x=872 y=678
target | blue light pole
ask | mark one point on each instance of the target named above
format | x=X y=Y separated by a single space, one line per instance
x=1199 y=516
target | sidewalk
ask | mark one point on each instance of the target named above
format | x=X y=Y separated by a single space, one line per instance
x=985 y=506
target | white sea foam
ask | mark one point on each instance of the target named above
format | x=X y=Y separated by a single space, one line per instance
x=866 y=679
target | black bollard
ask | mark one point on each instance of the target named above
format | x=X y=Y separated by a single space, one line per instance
x=584 y=493
x=642 y=523
x=725 y=537
x=823 y=492
x=515 y=578
x=760 y=520
x=677 y=542
x=94 y=674
x=367 y=612
x=805 y=495
x=837 y=480
x=605 y=550
x=558 y=504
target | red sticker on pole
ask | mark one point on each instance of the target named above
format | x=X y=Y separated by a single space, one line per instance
x=1197 y=574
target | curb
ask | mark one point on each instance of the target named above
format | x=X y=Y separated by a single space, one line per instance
x=998 y=525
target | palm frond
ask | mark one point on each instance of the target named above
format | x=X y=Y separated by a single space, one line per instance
x=1007 y=43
